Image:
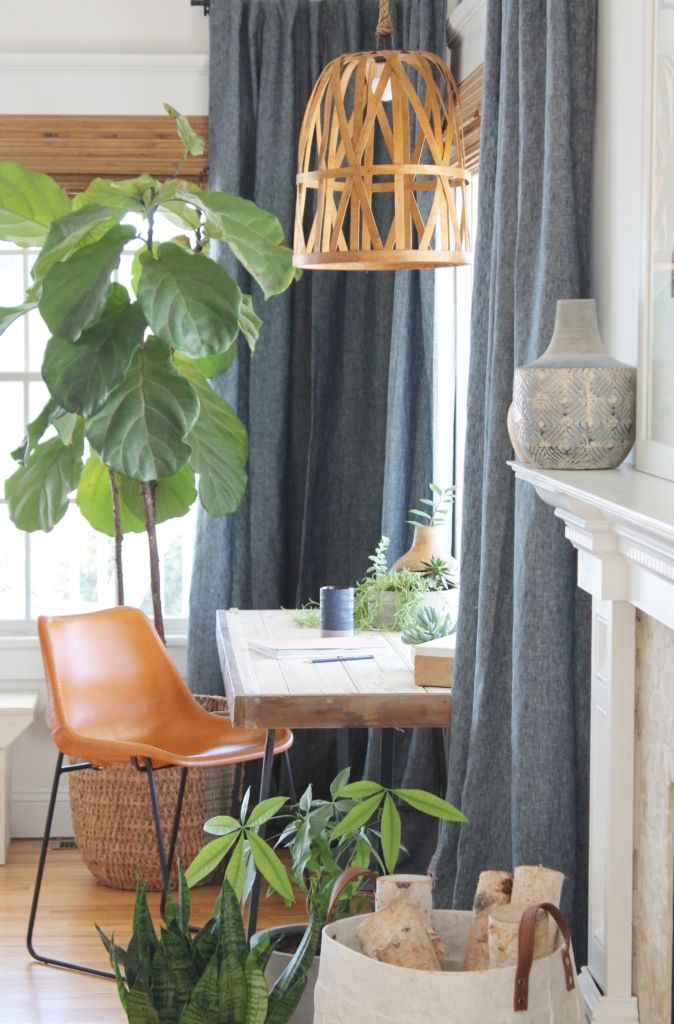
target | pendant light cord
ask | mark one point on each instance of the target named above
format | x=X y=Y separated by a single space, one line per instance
x=384 y=26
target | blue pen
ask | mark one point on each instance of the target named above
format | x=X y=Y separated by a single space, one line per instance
x=349 y=657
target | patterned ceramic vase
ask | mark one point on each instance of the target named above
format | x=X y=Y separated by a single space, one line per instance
x=575 y=407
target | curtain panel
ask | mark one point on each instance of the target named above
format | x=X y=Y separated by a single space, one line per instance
x=338 y=398
x=520 y=718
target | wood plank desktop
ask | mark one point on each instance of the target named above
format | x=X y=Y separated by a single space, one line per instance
x=292 y=692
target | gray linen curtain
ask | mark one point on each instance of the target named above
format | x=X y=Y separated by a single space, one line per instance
x=520 y=717
x=338 y=399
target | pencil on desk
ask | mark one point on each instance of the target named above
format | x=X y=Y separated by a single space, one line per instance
x=349 y=657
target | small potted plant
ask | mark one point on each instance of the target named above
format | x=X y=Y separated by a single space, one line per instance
x=360 y=826
x=387 y=599
x=215 y=976
x=429 y=531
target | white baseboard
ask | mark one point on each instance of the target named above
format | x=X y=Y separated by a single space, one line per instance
x=599 y=1007
x=28 y=813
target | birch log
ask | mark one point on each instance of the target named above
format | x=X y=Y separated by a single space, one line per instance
x=493 y=890
x=504 y=931
x=417 y=890
x=398 y=936
x=537 y=885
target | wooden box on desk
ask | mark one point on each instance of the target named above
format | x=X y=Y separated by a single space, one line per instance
x=434 y=662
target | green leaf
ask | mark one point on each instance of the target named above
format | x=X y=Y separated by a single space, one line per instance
x=254 y=236
x=8 y=314
x=356 y=790
x=132 y=195
x=74 y=293
x=80 y=376
x=122 y=990
x=249 y=322
x=256 y=1004
x=190 y=301
x=213 y=366
x=139 y=1007
x=221 y=825
x=203 y=1005
x=193 y=143
x=263 y=950
x=37 y=493
x=180 y=961
x=208 y=858
x=233 y=990
x=295 y=973
x=179 y=910
x=206 y=940
x=180 y=214
x=65 y=424
x=339 y=781
x=173 y=496
x=235 y=875
x=232 y=935
x=34 y=432
x=429 y=804
x=284 y=1007
x=29 y=202
x=139 y=431
x=94 y=500
x=219 y=444
x=390 y=834
x=270 y=867
x=243 y=811
x=266 y=810
x=164 y=996
x=358 y=815
x=143 y=927
x=75 y=230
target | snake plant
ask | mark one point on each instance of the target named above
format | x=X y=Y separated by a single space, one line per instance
x=213 y=978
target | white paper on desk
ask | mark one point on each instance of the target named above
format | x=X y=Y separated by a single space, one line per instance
x=319 y=647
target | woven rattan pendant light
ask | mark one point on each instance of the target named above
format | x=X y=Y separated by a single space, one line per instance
x=382 y=122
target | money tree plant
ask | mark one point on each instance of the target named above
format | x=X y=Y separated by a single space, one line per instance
x=136 y=421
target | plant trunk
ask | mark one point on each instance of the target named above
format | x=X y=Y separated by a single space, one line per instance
x=118 y=536
x=147 y=490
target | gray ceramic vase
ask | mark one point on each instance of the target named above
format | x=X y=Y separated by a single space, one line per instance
x=575 y=407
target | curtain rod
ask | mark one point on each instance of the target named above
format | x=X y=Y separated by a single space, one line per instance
x=206 y=4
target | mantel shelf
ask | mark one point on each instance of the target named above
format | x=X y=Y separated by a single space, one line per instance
x=622 y=523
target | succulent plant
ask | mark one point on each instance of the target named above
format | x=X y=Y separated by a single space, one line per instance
x=430 y=624
x=439 y=574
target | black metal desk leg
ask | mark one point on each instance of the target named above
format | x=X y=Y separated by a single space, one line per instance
x=264 y=794
x=342 y=749
x=386 y=757
x=443 y=759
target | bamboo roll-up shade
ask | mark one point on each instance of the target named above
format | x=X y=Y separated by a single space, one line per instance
x=76 y=149
x=382 y=123
x=470 y=92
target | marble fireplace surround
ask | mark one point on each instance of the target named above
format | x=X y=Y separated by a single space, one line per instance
x=621 y=522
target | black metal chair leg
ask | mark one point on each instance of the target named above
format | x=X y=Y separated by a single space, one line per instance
x=265 y=781
x=291 y=781
x=60 y=770
x=174 y=835
x=157 y=827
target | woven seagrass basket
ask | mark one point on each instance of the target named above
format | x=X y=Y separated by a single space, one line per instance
x=113 y=823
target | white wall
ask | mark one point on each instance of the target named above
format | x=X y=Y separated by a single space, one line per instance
x=102 y=57
x=467 y=28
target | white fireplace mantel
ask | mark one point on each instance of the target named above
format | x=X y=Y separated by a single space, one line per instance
x=622 y=523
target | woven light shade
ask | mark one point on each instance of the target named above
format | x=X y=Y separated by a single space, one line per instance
x=384 y=121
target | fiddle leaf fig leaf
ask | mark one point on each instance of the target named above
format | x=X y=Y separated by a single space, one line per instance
x=219 y=444
x=75 y=292
x=173 y=496
x=34 y=431
x=29 y=202
x=193 y=143
x=94 y=500
x=255 y=236
x=133 y=195
x=9 y=314
x=80 y=375
x=76 y=229
x=180 y=214
x=139 y=431
x=37 y=493
x=190 y=302
x=213 y=366
x=249 y=322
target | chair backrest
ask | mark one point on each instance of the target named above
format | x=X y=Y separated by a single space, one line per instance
x=108 y=676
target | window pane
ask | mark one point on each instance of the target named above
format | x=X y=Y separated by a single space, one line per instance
x=38 y=396
x=72 y=568
x=12 y=347
x=11 y=279
x=11 y=426
x=38 y=336
x=12 y=569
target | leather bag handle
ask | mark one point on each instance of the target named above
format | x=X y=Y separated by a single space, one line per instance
x=525 y=951
x=346 y=876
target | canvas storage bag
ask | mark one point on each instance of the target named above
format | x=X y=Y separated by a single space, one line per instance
x=354 y=989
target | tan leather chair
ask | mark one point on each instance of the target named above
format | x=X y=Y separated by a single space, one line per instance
x=115 y=696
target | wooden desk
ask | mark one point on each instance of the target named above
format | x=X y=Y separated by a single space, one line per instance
x=378 y=694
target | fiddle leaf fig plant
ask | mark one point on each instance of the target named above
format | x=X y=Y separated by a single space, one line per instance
x=139 y=430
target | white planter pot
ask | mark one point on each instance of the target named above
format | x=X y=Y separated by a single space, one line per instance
x=443 y=600
x=384 y=608
x=304 y=1014
x=353 y=989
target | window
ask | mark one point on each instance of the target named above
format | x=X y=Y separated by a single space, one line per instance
x=72 y=568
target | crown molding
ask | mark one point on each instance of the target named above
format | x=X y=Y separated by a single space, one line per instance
x=467 y=17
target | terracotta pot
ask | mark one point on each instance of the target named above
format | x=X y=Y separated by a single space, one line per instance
x=429 y=542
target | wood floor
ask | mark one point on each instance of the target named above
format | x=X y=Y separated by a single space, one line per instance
x=71 y=903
